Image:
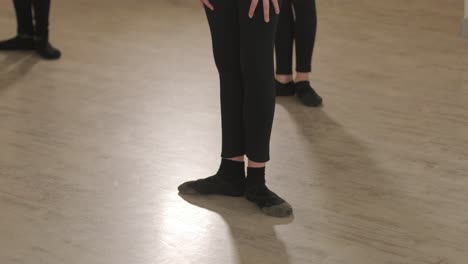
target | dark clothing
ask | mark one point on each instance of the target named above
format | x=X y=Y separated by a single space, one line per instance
x=301 y=25
x=24 y=15
x=243 y=51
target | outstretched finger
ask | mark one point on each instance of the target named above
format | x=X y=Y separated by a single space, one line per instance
x=253 y=6
x=207 y=4
x=276 y=6
x=266 y=10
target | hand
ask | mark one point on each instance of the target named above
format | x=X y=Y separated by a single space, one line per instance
x=266 y=8
x=207 y=4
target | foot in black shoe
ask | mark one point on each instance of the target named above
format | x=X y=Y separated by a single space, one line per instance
x=47 y=51
x=18 y=43
x=307 y=94
x=257 y=192
x=229 y=181
x=285 y=89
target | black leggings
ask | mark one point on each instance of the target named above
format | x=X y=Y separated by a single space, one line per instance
x=300 y=25
x=243 y=51
x=24 y=16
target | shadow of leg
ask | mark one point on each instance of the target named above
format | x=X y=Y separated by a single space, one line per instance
x=364 y=203
x=15 y=66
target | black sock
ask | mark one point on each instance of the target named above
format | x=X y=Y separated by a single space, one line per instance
x=255 y=176
x=307 y=94
x=257 y=192
x=229 y=180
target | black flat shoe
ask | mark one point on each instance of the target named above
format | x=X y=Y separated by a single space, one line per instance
x=307 y=95
x=269 y=202
x=285 y=89
x=18 y=43
x=229 y=181
x=47 y=51
x=214 y=185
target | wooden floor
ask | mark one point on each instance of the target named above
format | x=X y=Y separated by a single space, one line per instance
x=93 y=147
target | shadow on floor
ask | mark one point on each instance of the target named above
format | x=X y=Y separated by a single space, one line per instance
x=14 y=66
x=341 y=156
x=365 y=203
x=253 y=234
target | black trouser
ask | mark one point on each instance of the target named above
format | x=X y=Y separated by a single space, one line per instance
x=243 y=50
x=300 y=25
x=24 y=15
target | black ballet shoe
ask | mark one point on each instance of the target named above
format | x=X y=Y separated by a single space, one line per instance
x=307 y=95
x=19 y=42
x=229 y=181
x=285 y=89
x=46 y=50
x=268 y=201
x=258 y=193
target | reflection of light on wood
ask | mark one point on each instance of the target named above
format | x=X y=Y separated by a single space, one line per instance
x=190 y=234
